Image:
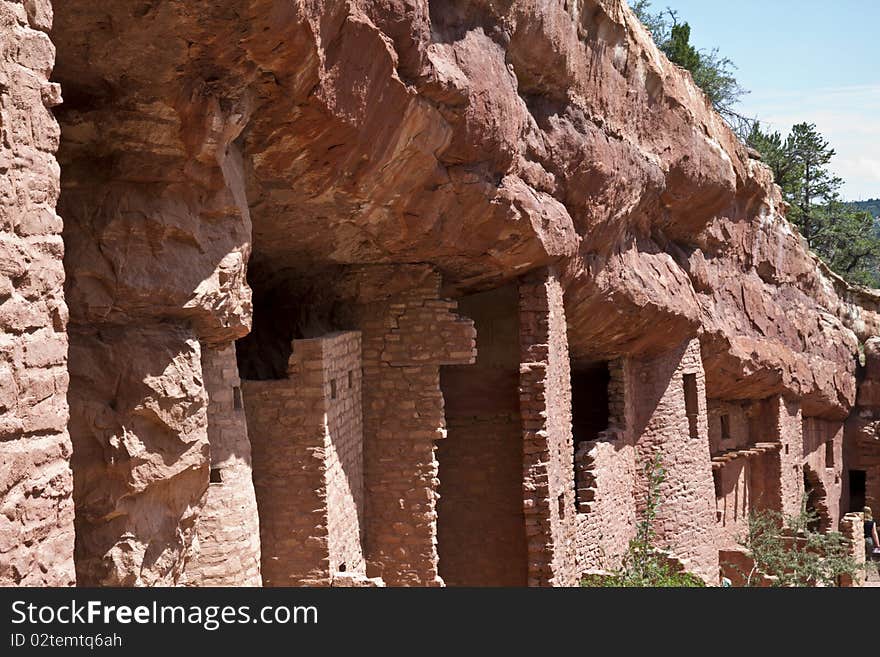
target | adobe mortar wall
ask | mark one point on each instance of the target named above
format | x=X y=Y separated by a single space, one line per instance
x=686 y=518
x=227 y=552
x=36 y=485
x=545 y=405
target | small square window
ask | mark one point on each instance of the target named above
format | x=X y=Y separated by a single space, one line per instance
x=216 y=476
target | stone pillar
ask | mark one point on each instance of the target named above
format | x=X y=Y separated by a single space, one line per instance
x=789 y=430
x=36 y=526
x=306 y=434
x=545 y=405
x=408 y=333
x=228 y=549
x=670 y=417
x=852 y=528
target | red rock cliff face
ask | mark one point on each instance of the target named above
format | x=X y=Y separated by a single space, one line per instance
x=204 y=142
x=36 y=523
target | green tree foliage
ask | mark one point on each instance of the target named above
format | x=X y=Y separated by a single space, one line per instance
x=844 y=236
x=712 y=73
x=792 y=553
x=642 y=565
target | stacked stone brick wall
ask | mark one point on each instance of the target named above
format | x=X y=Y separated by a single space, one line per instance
x=686 y=519
x=481 y=524
x=607 y=522
x=789 y=425
x=864 y=455
x=733 y=500
x=227 y=552
x=307 y=452
x=408 y=333
x=344 y=455
x=738 y=468
x=545 y=404
x=728 y=425
x=285 y=425
x=851 y=527
x=36 y=526
x=823 y=455
x=604 y=475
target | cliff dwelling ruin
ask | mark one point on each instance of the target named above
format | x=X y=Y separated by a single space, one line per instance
x=397 y=293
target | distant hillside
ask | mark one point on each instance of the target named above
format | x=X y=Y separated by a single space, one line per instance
x=871 y=205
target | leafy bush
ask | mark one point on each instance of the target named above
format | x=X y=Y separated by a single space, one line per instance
x=793 y=554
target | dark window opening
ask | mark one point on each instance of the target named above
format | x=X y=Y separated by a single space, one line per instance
x=857 y=486
x=298 y=306
x=589 y=402
x=332 y=388
x=216 y=476
x=341 y=568
x=590 y=416
x=829 y=454
x=350 y=379
x=725 y=427
x=786 y=449
x=561 y=502
x=691 y=404
x=237 y=402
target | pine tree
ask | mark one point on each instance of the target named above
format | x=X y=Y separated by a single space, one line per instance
x=845 y=237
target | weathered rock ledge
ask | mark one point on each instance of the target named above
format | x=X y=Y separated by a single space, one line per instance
x=238 y=178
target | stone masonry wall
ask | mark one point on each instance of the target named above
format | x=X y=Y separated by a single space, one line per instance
x=729 y=433
x=306 y=438
x=480 y=524
x=737 y=473
x=228 y=549
x=789 y=425
x=686 y=519
x=285 y=426
x=605 y=474
x=733 y=500
x=824 y=439
x=408 y=333
x=344 y=456
x=36 y=523
x=545 y=404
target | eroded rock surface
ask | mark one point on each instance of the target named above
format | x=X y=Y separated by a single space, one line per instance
x=211 y=151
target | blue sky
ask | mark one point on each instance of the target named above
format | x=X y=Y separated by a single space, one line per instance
x=804 y=60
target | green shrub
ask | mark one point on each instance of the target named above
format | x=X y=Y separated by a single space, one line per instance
x=793 y=554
